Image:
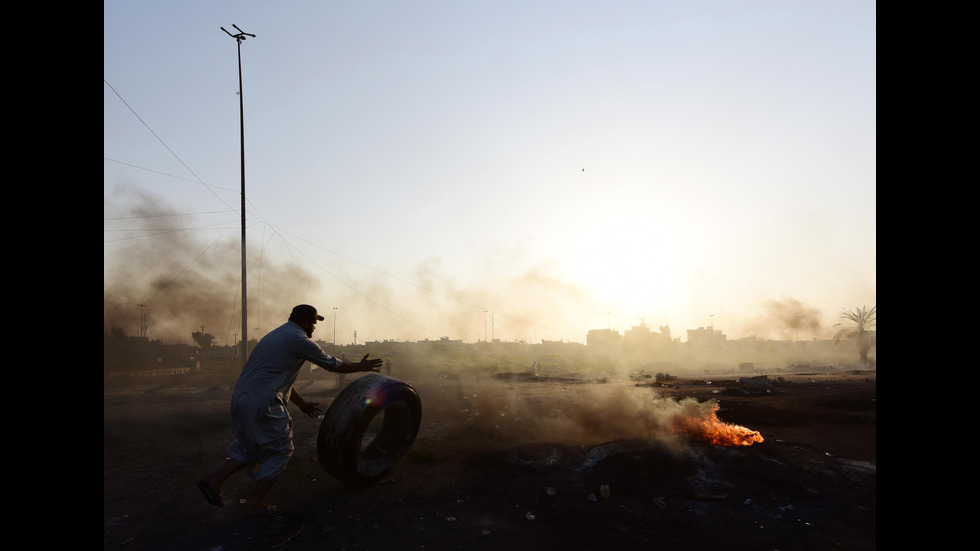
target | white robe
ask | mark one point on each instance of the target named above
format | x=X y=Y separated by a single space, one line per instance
x=259 y=418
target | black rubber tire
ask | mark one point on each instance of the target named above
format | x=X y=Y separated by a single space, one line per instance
x=352 y=453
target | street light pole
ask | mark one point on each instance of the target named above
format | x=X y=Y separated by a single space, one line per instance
x=239 y=38
x=141 y=330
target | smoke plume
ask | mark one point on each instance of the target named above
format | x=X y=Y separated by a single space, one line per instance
x=157 y=268
x=492 y=414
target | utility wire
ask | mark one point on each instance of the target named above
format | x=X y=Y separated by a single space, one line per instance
x=279 y=233
x=160 y=231
x=167 y=284
x=169 y=175
x=112 y=218
x=164 y=144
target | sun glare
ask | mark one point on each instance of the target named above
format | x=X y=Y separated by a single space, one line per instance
x=626 y=266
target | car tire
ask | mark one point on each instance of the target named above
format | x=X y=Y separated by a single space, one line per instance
x=368 y=428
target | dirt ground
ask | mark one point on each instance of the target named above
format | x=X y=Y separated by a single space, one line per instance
x=514 y=464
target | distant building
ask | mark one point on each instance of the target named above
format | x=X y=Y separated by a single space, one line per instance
x=603 y=340
x=558 y=347
x=641 y=335
x=705 y=336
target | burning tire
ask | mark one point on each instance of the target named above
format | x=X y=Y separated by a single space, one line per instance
x=368 y=428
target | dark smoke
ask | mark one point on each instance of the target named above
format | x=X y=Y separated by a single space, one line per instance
x=791 y=315
x=184 y=281
x=785 y=319
x=483 y=413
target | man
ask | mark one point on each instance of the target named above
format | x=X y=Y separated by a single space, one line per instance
x=259 y=418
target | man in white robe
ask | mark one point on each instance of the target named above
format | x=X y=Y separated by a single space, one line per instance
x=259 y=418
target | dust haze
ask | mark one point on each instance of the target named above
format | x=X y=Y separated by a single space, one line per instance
x=169 y=270
x=785 y=319
x=482 y=413
x=184 y=282
x=180 y=282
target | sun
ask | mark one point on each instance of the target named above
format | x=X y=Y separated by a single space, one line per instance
x=627 y=266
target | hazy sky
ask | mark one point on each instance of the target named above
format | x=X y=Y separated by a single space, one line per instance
x=416 y=163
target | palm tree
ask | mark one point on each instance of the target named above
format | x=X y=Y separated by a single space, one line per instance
x=864 y=332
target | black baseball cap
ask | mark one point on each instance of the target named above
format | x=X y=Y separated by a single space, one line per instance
x=305 y=312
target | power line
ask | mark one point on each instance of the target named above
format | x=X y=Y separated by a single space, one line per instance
x=164 y=144
x=161 y=173
x=165 y=215
x=279 y=233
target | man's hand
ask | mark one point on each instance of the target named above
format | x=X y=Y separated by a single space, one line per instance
x=369 y=365
x=311 y=409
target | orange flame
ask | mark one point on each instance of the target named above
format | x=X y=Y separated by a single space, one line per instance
x=712 y=430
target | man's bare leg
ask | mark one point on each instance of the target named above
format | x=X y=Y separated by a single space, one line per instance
x=257 y=504
x=215 y=480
